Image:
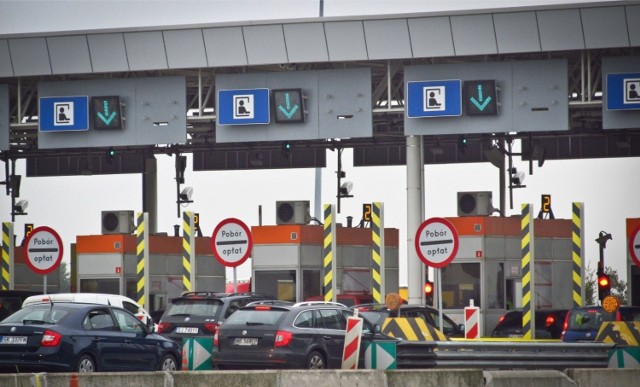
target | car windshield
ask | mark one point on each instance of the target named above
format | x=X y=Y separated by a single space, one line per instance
x=41 y=314
x=588 y=319
x=248 y=317
x=193 y=308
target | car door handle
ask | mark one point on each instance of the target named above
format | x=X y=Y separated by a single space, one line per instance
x=127 y=341
x=326 y=337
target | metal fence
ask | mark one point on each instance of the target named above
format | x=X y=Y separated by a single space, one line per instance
x=501 y=355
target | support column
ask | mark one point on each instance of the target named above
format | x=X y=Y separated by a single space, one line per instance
x=415 y=217
x=150 y=192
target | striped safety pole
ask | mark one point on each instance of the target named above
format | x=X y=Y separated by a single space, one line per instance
x=377 y=272
x=142 y=254
x=188 y=251
x=6 y=282
x=328 y=252
x=577 y=211
x=528 y=270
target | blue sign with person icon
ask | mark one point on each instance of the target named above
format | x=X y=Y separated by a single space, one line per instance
x=623 y=91
x=434 y=98
x=243 y=107
x=64 y=114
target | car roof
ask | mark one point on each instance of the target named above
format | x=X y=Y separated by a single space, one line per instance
x=217 y=295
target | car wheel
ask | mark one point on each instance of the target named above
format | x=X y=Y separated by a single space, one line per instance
x=86 y=364
x=168 y=363
x=315 y=361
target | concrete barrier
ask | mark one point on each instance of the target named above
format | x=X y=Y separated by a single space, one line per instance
x=300 y=378
x=524 y=378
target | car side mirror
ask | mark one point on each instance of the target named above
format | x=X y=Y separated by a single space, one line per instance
x=461 y=327
x=377 y=328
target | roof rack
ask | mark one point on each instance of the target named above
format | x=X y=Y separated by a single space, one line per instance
x=270 y=302
x=309 y=303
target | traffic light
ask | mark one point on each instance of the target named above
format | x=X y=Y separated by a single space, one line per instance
x=111 y=154
x=181 y=165
x=428 y=292
x=480 y=98
x=462 y=144
x=288 y=106
x=604 y=286
x=286 y=149
x=106 y=112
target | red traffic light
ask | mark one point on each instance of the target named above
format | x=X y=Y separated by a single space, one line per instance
x=604 y=286
x=603 y=281
x=428 y=288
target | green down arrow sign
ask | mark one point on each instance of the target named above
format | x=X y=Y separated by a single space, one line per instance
x=106 y=112
x=288 y=106
x=480 y=98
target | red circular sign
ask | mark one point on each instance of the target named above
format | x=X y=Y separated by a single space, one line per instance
x=231 y=242
x=43 y=250
x=634 y=245
x=436 y=242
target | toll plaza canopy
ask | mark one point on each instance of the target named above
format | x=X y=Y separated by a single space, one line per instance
x=54 y=48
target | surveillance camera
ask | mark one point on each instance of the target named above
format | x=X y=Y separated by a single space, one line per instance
x=21 y=206
x=345 y=188
x=186 y=194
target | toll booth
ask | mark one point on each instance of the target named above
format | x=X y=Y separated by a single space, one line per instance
x=26 y=279
x=487 y=267
x=107 y=264
x=633 y=261
x=287 y=261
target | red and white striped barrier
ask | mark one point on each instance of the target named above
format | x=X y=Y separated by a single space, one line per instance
x=351 y=352
x=471 y=322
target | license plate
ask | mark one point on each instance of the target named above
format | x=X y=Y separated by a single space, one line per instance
x=187 y=330
x=246 y=341
x=14 y=340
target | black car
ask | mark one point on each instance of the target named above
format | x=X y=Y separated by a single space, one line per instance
x=308 y=335
x=548 y=324
x=73 y=337
x=199 y=314
x=377 y=313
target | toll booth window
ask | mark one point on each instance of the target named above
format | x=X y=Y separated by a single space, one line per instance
x=495 y=285
x=279 y=283
x=356 y=280
x=100 y=285
x=311 y=283
x=460 y=284
x=544 y=284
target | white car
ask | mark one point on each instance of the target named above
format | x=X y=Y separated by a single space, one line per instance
x=94 y=298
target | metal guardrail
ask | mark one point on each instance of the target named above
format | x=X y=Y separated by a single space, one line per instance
x=501 y=355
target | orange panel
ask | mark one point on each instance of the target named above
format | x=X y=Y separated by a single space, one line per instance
x=467 y=225
x=89 y=244
x=632 y=224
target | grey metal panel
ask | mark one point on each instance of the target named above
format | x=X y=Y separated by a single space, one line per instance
x=345 y=41
x=431 y=36
x=560 y=30
x=272 y=256
x=354 y=256
x=108 y=53
x=145 y=50
x=265 y=44
x=209 y=284
x=494 y=247
x=6 y=70
x=207 y=265
x=311 y=256
x=387 y=39
x=225 y=46
x=562 y=249
x=4 y=117
x=605 y=27
x=147 y=101
x=633 y=15
x=540 y=90
x=618 y=119
x=516 y=32
x=543 y=248
x=473 y=35
x=69 y=54
x=306 y=42
x=345 y=93
x=562 y=289
x=29 y=56
x=185 y=49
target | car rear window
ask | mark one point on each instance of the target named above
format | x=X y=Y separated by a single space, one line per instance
x=41 y=314
x=375 y=317
x=265 y=316
x=588 y=319
x=194 y=308
x=630 y=314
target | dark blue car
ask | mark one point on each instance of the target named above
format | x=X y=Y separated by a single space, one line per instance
x=72 y=337
x=583 y=324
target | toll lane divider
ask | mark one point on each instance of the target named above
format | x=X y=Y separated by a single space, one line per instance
x=463 y=377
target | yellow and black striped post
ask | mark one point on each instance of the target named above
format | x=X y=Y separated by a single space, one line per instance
x=577 y=211
x=328 y=252
x=188 y=251
x=6 y=282
x=528 y=270
x=142 y=254
x=377 y=270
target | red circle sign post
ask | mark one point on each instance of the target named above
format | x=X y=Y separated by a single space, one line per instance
x=634 y=245
x=231 y=242
x=43 y=250
x=436 y=242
